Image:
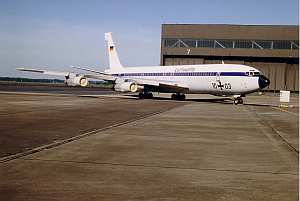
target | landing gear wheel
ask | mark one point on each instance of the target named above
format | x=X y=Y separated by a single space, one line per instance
x=238 y=100
x=145 y=95
x=182 y=97
x=178 y=96
x=241 y=101
x=141 y=95
x=149 y=95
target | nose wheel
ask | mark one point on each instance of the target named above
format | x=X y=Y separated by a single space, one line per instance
x=238 y=100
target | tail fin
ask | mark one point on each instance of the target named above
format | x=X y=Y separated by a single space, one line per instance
x=114 y=62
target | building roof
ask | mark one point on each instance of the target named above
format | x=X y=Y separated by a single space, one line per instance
x=231 y=31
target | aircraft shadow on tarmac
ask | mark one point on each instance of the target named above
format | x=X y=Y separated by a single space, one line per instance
x=205 y=100
x=223 y=100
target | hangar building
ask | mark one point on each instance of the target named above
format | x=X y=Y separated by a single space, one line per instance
x=273 y=49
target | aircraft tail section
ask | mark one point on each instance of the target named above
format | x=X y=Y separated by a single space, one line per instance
x=114 y=62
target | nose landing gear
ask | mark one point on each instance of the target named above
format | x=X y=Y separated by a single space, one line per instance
x=238 y=100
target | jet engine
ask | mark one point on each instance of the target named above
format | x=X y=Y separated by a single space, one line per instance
x=126 y=86
x=76 y=80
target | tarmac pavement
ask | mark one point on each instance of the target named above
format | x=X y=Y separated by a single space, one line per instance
x=199 y=150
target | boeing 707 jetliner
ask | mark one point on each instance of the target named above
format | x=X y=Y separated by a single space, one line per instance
x=233 y=80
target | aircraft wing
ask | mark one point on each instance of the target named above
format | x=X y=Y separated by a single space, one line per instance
x=98 y=76
x=155 y=85
x=46 y=72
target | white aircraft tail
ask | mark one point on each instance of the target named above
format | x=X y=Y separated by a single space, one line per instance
x=114 y=62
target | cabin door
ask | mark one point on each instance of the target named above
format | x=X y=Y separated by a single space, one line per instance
x=219 y=84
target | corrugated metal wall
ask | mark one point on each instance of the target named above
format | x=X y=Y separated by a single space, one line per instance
x=292 y=75
x=183 y=61
x=283 y=76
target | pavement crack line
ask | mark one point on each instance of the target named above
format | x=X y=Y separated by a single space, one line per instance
x=267 y=124
x=159 y=167
x=77 y=137
x=282 y=110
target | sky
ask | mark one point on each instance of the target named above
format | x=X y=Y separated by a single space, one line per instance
x=55 y=34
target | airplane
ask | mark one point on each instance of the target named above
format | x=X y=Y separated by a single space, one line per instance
x=234 y=80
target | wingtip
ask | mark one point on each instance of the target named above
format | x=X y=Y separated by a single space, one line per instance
x=76 y=67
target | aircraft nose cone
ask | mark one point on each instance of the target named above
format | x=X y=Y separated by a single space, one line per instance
x=263 y=82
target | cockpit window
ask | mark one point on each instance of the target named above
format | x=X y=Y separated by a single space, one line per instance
x=251 y=73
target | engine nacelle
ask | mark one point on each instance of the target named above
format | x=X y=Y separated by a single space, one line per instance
x=77 y=80
x=126 y=87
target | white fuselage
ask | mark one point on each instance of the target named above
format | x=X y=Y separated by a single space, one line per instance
x=219 y=79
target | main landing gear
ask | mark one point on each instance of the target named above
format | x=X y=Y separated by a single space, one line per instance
x=178 y=96
x=238 y=100
x=145 y=95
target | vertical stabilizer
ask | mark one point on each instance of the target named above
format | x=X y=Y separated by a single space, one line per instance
x=114 y=62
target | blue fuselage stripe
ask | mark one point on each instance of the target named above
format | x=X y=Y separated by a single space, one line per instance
x=182 y=74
